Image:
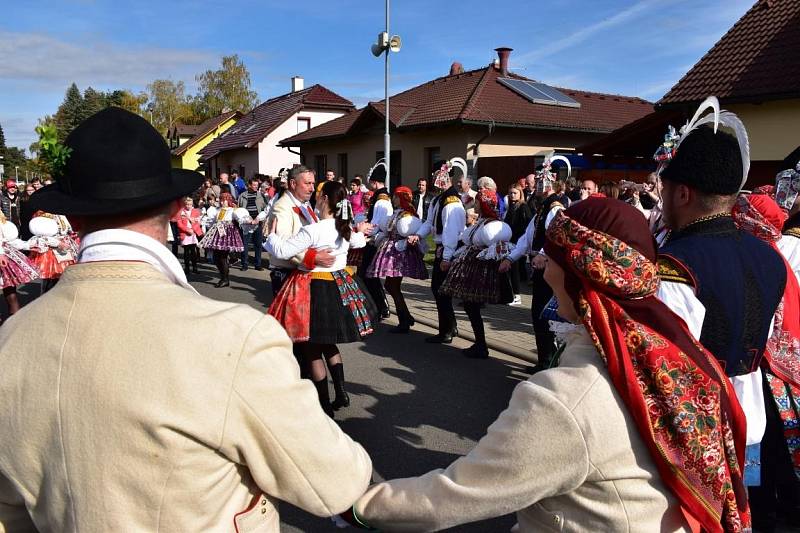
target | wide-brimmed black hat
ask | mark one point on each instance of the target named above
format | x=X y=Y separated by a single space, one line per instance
x=119 y=164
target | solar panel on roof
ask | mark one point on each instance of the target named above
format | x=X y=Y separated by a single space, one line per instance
x=539 y=93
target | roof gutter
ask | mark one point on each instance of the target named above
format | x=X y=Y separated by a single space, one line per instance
x=476 y=150
x=289 y=148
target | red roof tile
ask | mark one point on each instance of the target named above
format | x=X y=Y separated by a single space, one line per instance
x=204 y=128
x=757 y=59
x=257 y=124
x=477 y=96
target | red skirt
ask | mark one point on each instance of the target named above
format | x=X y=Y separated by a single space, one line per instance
x=50 y=265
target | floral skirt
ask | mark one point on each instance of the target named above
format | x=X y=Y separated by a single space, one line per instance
x=477 y=280
x=324 y=307
x=223 y=236
x=390 y=262
x=19 y=270
x=51 y=264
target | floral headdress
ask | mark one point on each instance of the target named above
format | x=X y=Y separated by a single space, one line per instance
x=442 y=178
x=787 y=187
x=489 y=205
x=546 y=177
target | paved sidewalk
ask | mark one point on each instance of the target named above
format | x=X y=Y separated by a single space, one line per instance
x=508 y=328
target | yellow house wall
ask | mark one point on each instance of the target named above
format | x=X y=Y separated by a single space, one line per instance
x=771 y=126
x=190 y=159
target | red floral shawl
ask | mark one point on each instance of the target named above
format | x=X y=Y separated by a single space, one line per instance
x=683 y=405
x=762 y=216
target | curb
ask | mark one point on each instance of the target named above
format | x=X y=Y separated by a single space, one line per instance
x=528 y=357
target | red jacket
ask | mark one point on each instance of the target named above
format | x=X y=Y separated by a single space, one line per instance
x=192 y=221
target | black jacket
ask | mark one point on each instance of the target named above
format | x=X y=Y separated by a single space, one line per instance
x=518 y=219
x=426 y=202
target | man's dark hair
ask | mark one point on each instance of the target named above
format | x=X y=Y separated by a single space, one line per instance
x=422 y=179
x=330 y=170
x=254 y=180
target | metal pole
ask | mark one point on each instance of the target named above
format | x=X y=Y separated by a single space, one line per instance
x=386 y=139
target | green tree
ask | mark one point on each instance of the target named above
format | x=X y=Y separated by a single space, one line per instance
x=225 y=89
x=70 y=112
x=127 y=100
x=2 y=140
x=93 y=101
x=168 y=104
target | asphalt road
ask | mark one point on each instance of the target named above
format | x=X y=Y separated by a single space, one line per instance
x=414 y=407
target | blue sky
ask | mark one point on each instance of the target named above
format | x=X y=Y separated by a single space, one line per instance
x=630 y=47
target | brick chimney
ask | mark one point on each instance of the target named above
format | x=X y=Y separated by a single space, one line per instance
x=297 y=83
x=456 y=68
x=502 y=54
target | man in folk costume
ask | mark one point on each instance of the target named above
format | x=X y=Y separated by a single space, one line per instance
x=760 y=215
x=293 y=211
x=113 y=422
x=738 y=279
x=787 y=195
x=379 y=213
x=531 y=243
x=446 y=220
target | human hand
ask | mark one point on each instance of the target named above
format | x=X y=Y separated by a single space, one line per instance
x=324 y=258
x=364 y=227
x=412 y=239
x=505 y=266
x=444 y=266
x=3 y=261
x=539 y=261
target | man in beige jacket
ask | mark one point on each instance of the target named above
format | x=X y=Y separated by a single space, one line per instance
x=132 y=403
x=293 y=211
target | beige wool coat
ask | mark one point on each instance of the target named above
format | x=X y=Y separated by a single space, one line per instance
x=565 y=456
x=130 y=404
x=289 y=224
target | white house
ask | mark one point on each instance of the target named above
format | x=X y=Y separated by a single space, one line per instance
x=251 y=145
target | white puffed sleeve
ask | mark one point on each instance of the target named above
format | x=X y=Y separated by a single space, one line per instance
x=492 y=233
x=357 y=240
x=10 y=231
x=43 y=227
x=240 y=214
x=454 y=218
x=681 y=300
x=523 y=243
x=408 y=225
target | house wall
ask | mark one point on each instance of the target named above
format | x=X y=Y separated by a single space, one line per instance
x=235 y=159
x=452 y=141
x=190 y=159
x=771 y=126
x=361 y=150
x=271 y=157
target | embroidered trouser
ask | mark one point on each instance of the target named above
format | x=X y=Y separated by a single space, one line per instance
x=374 y=285
x=545 y=340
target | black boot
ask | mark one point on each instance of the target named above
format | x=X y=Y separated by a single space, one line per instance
x=324 y=396
x=406 y=321
x=342 y=399
x=476 y=351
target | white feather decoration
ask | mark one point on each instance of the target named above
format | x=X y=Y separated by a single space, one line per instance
x=459 y=163
x=727 y=119
x=565 y=160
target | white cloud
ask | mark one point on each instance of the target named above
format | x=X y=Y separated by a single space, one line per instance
x=45 y=59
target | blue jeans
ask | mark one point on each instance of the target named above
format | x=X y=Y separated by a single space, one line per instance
x=256 y=237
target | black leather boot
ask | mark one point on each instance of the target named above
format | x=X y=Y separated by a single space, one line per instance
x=324 y=396
x=342 y=399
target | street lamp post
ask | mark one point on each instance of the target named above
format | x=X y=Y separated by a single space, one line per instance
x=16 y=173
x=386 y=45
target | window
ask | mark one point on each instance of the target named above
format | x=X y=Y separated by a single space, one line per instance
x=303 y=124
x=342 y=158
x=320 y=165
x=433 y=155
x=396 y=163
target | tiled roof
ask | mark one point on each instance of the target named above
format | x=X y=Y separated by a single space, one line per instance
x=203 y=129
x=183 y=130
x=757 y=59
x=257 y=124
x=477 y=96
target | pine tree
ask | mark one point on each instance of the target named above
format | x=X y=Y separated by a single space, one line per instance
x=2 y=140
x=93 y=101
x=70 y=112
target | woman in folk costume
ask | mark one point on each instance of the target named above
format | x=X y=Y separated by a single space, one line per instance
x=646 y=433
x=323 y=307
x=787 y=195
x=474 y=277
x=190 y=231
x=400 y=254
x=778 y=478
x=223 y=236
x=15 y=268
x=52 y=247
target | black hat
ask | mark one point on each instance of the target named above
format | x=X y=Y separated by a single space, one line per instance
x=119 y=164
x=378 y=174
x=707 y=161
